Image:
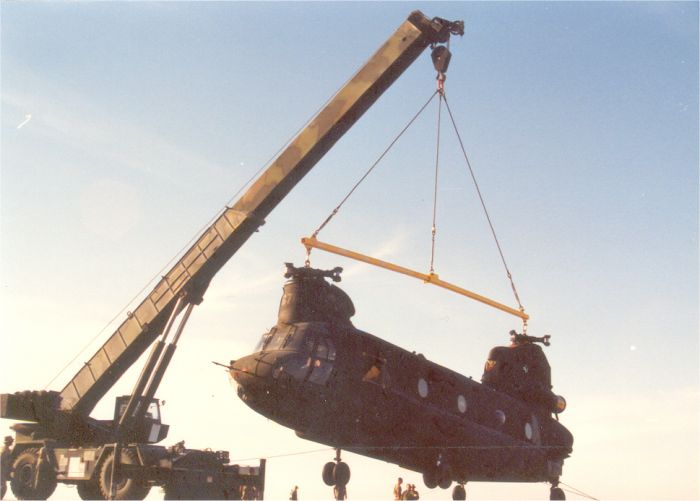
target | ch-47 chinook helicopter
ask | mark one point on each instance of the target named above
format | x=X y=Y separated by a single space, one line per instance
x=332 y=383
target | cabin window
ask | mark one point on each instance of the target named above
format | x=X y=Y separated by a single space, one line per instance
x=500 y=417
x=462 y=404
x=528 y=431
x=376 y=372
x=422 y=387
x=373 y=375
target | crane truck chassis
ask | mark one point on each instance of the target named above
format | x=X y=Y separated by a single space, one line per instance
x=63 y=443
x=40 y=463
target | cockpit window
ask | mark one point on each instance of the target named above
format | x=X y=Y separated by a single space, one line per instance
x=265 y=340
x=321 y=371
x=322 y=361
x=331 y=350
x=325 y=349
x=308 y=345
x=287 y=341
x=322 y=349
x=277 y=339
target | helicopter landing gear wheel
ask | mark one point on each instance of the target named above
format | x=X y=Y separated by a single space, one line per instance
x=327 y=473
x=556 y=493
x=444 y=482
x=430 y=479
x=459 y=493
x=341 y=474
x=337 y=474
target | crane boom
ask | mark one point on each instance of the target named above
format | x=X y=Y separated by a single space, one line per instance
x=191 y=275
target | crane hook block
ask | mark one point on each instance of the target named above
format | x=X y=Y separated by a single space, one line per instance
x=441 y=58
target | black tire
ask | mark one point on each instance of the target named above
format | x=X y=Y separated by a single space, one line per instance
x=341 y=474
x=443 y=476
x=127 y=488
x=89 y=489
x=555 y=493
x=445 y=483
x=24 y=470
x=430 y=479
x=459 y=493
x=327 y=474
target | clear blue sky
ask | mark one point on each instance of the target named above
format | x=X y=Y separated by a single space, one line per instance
x=127 y=126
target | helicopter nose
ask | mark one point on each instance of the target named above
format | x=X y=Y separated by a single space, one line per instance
x=252 y=371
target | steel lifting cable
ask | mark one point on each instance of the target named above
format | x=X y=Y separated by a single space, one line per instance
x=486 y=212
x=376 y=162
x=435 y=188
x=312 y=241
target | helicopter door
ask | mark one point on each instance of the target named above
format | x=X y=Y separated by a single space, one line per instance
x=377 y=372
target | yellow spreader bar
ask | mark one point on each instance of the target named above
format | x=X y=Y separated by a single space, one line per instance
x=431 y=278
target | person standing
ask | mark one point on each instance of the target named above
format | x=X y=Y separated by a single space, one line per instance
x=294 y=494
x=398 y=490
x=6 y=464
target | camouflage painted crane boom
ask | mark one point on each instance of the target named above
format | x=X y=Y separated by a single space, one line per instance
x=191 y=275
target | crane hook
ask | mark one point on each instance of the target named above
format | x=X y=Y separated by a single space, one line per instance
x=441 y=60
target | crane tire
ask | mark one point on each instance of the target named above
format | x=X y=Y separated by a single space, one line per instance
x=89 y=489
x=327 y=473
x=127 y=488
x=24 y=470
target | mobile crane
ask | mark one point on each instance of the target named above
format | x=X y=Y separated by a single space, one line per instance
x=62 y=443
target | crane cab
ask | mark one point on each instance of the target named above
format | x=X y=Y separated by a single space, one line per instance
x=148 y=429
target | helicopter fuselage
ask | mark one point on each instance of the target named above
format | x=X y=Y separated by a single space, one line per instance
x=337 y=385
